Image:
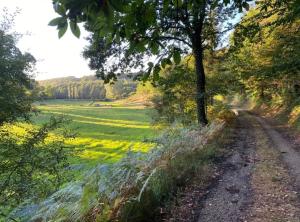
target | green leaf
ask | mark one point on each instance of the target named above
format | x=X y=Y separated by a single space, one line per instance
x=156 y=71
x=154 y=48
x=226 y=2
x=140 y=47
x=150 y=64
x=178 y=3
x=165 y=61
x=75 y=29
x=166 y=4
x=246 y=6
x=117 y=5
x=214 y=4
x=57 y=21
x=60 y=9
x=62 y=30
x=176 y=57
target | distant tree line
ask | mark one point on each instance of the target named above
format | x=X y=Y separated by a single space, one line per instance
x=88 y=87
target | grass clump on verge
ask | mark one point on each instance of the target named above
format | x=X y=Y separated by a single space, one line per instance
x=130 y=189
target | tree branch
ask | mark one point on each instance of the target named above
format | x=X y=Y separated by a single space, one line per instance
x=177 y=39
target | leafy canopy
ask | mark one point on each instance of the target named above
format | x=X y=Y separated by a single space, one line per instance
x=126 y=34
x=15 y=78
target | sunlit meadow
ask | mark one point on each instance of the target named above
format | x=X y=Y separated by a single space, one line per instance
x=105 y=130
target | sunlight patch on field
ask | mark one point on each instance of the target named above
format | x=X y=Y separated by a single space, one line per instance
x=118 y=122
x=113 y=124
x=91 y=149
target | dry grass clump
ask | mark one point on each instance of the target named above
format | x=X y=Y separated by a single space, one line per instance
x=294 y=117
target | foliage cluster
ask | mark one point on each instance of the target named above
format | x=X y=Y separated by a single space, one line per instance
x=129 y=190
x=176 y=99
x=294 y=118
x=220 y=111
x=267 y=61
x=264 y=56
x=32 y=164
x=15 y=80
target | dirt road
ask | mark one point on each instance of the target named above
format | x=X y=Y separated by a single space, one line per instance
x=261 y=180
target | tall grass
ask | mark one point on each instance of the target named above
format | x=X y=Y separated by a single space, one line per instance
x=130 y=189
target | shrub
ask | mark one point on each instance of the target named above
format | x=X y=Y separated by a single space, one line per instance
x=32 y=163
x=220 y=111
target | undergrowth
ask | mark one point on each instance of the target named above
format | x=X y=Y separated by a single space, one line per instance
x=287 y=112
x=187 y=198
x=130 y=189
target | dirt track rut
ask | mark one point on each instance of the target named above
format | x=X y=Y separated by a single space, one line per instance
x=260 y=180
x=289 y=155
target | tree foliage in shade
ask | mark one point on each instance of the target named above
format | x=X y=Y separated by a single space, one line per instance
x=32 y=164
x=266 y=60
x=126 y=33
x=175 y=101
x=15 y=79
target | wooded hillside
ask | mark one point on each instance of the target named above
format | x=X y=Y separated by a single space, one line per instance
x=88 y=87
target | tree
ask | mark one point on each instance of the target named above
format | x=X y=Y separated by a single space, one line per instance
x=127 y=33
x=88 y=87
x=175 y=101
x=32 y=164
x=257 y=55
x=15 y=80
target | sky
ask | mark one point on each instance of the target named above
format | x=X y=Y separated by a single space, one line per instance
x=55 y=57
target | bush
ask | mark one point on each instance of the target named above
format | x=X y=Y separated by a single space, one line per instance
x=176 y=101
x=32 y=164
x=220 y=111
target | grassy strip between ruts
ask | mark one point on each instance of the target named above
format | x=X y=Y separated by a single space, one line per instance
x=274 y=198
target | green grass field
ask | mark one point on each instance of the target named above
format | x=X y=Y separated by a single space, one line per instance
x=106 y=130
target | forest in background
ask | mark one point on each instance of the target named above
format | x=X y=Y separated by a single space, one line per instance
x=88 y=87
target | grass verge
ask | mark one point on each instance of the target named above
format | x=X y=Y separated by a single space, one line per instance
x=130 y=189
x=186 y=201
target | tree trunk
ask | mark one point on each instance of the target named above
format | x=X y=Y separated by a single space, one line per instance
x=200 y=82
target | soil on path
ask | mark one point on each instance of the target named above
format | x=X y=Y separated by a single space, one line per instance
x=229 y=199
x=264 y=184
x=258 y=182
